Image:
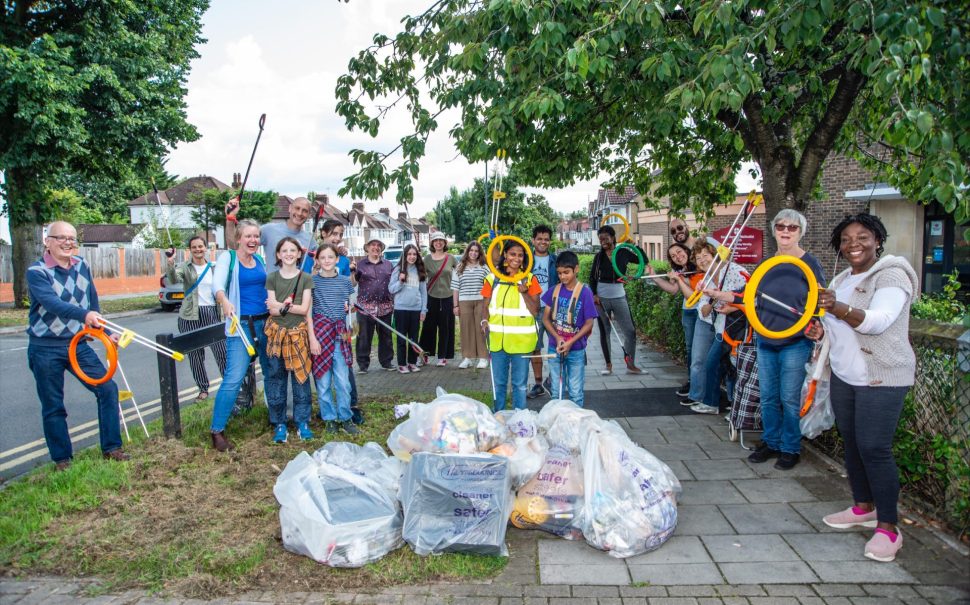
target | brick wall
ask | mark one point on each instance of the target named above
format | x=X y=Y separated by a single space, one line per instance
x=839 y=174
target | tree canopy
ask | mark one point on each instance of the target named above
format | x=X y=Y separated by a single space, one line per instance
x=672 y=96
x=463 y=213
x=89 y=91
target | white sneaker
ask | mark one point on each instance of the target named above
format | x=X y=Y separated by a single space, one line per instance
x=465 y=363
x=482 y=363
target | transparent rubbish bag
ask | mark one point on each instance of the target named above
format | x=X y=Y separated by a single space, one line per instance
x=631 y=496
x=456 y=503
x=565 y=423
x=526 y=448
x=819 y=417
x=451 y=424
x=339 y=508
x=553 y=499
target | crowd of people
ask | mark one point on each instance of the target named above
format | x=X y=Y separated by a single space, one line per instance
x=289 y=306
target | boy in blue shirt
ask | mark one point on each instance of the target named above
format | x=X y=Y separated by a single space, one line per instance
x=568 y=315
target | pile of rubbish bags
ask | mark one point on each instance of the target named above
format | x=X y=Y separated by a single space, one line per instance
x=459 y=474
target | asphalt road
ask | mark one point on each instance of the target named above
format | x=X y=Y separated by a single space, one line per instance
x=22 y=445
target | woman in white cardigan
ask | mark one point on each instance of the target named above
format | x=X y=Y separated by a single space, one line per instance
x=873 y=367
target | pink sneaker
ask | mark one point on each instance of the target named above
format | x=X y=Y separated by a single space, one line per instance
x=881 y=546
x=442 y=363
x=413 y=368
x=850 y=518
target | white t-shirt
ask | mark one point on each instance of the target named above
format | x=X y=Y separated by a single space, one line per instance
x=204 y=289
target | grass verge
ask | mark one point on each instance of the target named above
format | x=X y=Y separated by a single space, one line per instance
x=185 y=519
x=18 y=317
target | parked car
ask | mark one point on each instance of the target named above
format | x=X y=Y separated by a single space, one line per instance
x=170 y=295
x=393 y=253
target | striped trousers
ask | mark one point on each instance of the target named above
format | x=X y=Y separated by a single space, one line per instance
x=207 y=317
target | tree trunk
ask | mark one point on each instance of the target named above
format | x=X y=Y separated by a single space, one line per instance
x=27 y=248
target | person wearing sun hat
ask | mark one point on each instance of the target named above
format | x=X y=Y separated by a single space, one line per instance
x=373 y=274
x=438 y=330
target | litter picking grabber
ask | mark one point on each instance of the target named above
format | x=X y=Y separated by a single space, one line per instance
x=823 y=356
x=127 y=393
x=234 y=327
x=129 y=336
x=626 y=356
x=415 y=346
x=232 y=206
x=726 y=250
x=751 y=291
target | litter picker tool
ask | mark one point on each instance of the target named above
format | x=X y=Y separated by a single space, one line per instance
x=127 y=393
x=415 y=346
x=491 y=366
x=158 y=200
x=664 y=275
x=498 y=194
x=811 y=302
x=232 y=205
x=129 y=336
x=562 y=372
x=823 y=355
x=626 y=356
x=235 y=326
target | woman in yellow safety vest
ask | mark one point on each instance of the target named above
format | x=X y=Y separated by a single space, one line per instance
x=510 y=320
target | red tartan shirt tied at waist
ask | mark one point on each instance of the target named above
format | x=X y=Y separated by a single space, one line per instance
x=330 y=333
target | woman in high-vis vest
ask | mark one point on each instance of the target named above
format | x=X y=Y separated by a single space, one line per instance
x=510 y=320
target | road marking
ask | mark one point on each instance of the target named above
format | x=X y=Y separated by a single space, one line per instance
x=12 y=350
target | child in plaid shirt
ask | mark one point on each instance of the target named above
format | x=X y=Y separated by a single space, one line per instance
x=288 y=300
x=330 y=341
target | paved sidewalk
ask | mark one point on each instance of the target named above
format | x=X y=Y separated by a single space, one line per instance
x=747 y=533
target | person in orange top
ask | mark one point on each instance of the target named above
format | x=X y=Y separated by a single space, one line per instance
x=510 y=321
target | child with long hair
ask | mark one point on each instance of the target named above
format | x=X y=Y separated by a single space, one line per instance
x=289 y=299
x=466 y=283
x=408 y=285
x=330 y=341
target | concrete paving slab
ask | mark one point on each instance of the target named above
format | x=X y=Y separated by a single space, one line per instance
x=573 y=552
x=690 y=574
x=696 y=420
x=680 y=470
x=678 y=549
x=749 y=549
x=585 y=575
x=764 y=519
x=814 y=511
x=828 y=547
x=864 y=570
x=719 y=469
x=652 y=422
x=699 y=434
x=762 y=491
x=827 y=486
x=710 y=492
x=701 y=520
x=645 y=437
x=781 y=572
x=725 y=449
x=767 y=470
x=678 y=451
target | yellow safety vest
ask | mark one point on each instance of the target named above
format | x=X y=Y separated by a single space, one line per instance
x=511 y=327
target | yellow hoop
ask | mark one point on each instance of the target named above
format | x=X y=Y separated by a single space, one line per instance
x=626 y=226
x=483 y=237
x=491 y=264
x=751 y=292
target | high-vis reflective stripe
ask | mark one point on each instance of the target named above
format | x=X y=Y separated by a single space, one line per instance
x=507 y=312
x=512 y=327
x=499 y=328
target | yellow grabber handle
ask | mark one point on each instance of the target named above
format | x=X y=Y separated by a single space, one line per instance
x=693 y=299
x=233 y=326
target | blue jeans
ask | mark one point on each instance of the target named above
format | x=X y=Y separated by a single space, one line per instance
x=781 y=372
x=703 y=337
x=276 y=393
x=574 y=380
x=502 y=363
x=336 y=379
x=237 y=363
x=688 y=319
x=353 y=389
x=712 y=372
x=48 y=365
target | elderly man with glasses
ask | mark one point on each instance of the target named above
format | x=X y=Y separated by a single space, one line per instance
x=62 y=302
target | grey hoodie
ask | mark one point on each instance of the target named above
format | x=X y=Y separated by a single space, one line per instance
x=410 y=295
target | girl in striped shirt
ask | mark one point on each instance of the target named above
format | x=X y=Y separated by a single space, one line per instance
x=330 y=340
x=467 y=282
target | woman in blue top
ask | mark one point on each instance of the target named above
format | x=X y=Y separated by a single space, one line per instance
x=239 y=288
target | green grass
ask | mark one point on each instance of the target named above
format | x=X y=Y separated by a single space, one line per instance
x=10 y=317
x=184 y=519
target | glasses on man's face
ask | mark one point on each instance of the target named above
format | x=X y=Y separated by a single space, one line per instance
x=63 y=239
x=789 y=228
x=677 y=229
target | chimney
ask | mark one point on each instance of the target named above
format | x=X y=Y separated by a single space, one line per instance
x=386 y=211
x=402 y=216
x=236 y=180
x=359 y=206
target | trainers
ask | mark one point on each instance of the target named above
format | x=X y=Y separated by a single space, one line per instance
x=403 y=369
x=465 y=363
x=684 y=390
x=786 y=461
x=421 y=361
x=304 y=430
x=349 y=428
x=442 y=363
x=332 y=426
x=389 y=368
x=881 y=546
x=482 y=363
x=850 y=518
x=279 y=436
x=361 y=370
x=762 y=453
x=608 y=371
x=687 y=402
x=414 y=368
x=535 y=391
x=356 y=415
x=702 y=408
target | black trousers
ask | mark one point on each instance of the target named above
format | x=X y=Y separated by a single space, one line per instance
x=407 y=323
x=385 y=348
x=438 y=331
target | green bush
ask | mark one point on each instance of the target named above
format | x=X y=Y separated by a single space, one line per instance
x=656 y=315
x=941 y=306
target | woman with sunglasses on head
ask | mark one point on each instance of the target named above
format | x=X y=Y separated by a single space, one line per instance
x=873 y=366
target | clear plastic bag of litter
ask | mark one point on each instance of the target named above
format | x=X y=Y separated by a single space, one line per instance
x=631 y=496
x=456 y=503
x=339 y=507
x=451 y=424
x=553 y=499
x=565 y=423
x=525 y=448
x=819 y=417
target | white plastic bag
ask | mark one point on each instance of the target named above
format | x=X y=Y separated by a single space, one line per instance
x=631 y=496
x=451 y=424
x=342 y=517
x=565 y=423
x=525 y=449
x=553 y=499
x=456 y=503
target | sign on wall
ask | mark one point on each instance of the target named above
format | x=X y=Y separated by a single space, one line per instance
x=749 y=249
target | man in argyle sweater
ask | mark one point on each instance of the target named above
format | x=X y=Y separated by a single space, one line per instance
x=62 y=301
